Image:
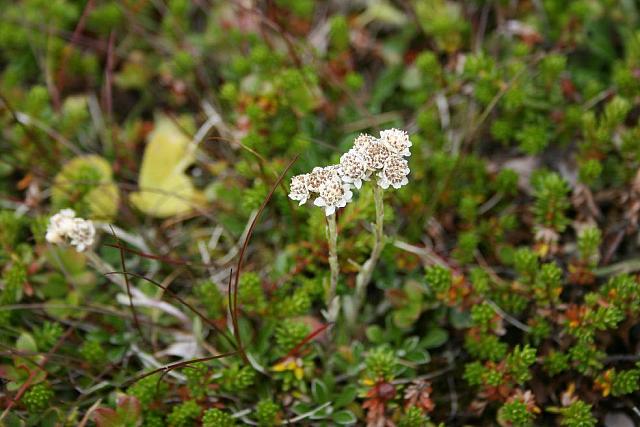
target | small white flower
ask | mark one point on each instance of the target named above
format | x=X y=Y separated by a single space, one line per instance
x=333 y=194
x=298 y=190
x=363 y=141
x=394 y=173
x=64 y=227
x=353 y=168
x=82 y=234
x=319 y=176
x=397 y=141
x=375 y=154
x=60 y=225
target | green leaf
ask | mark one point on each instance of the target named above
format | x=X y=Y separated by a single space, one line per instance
x=346 y=396
x=418 y=356
x=26 y=343
x=301 y=408
x=319 y=391
x=435 y=338
x=90 y=178
x=375 y=334
x=344 y=418
x=408 y=315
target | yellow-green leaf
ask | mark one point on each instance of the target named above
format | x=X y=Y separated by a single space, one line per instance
x=165 y=189
x=85 y=184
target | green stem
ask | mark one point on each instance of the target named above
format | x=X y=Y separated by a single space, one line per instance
x=366 y=271
x=332 y=237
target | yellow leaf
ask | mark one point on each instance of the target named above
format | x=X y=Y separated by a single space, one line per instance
x=165 y=189
x=85 y=184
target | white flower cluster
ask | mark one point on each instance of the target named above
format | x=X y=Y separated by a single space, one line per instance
x=331 y=185
x=65 y=227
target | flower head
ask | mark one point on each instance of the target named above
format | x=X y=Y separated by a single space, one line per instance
x=333 y=194
x=353 y=168
x=397 y=141
x=394 y=173
x=64 y=227
x=362 y=141
x=319 y=176
x=60 y=225
x=375 y=154
x=299 y=190
x=82 y=234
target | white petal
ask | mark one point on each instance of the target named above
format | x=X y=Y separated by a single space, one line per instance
x=69 y=213
x=319 y=202
x=329 y=210
x=358 y=183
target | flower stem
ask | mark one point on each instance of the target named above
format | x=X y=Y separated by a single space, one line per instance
x=332 y=237
x=366 y=271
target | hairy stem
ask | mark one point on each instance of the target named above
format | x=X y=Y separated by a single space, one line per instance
x=333 y=301
x=366 y=271
x=332 y=237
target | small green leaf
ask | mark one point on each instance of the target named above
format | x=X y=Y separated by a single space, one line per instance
x=26 y=343
x=319 y=391
x=375 y=334
x=346 y=396
x=435 y=338
x=344 y=418
x=301 y=408
x=418 y=356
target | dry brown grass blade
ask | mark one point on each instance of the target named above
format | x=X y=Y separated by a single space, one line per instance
x=234 y=308
x=168 y=368
x=134 y=314
x=181 y=301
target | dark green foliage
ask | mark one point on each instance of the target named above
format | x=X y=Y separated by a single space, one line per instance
x=551 y=202
x=148 y=389
x=519 y=361
x=516 y=414
x=250 y=293
x=438 y=278
x=413 y=417
x=625 y=382
x=289 y=334
x=93 y=352
x=577 y=414
x=267 y=413
x=184 y=414
x=197 y=379
x=217 y=418
x=381 y=364
x=236 y=378
x=211 y=298
x=38 y=397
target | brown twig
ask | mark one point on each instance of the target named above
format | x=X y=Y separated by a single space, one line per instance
x=236 y=327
